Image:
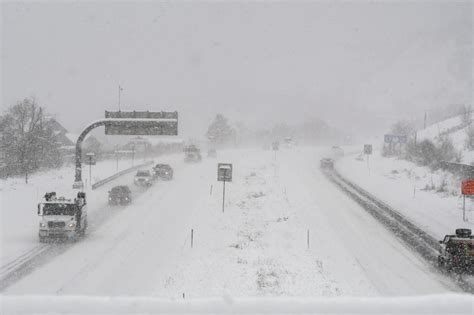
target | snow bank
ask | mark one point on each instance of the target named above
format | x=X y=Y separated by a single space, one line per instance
x=453 y=128
x=440 y=128
x=434 y=304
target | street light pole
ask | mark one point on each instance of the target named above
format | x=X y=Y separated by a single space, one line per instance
x=116 y=157
x=90 y=155
x=90 y=170
x=119 y=90
x=133 y=155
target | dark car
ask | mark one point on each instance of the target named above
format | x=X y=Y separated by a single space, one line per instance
x=327 y=164
x=120 y=195
x=163 y=171
x=457 y=252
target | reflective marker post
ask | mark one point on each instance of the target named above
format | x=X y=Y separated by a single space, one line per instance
x=464 y=208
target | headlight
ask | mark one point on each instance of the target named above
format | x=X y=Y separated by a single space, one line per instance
x=72 y=224
x=42 y=224
x=110 y=198
x=126 y=198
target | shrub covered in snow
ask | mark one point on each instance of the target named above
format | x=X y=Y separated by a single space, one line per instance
x=429 y=153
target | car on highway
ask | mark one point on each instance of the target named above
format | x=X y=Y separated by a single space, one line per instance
x=327 y=164
x=143 y=178
x=212 y=153
x=163 y=171
x=457 y=251
x=120 y=195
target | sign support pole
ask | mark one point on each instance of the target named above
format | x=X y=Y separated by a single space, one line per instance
x=223 y=197
x=368 y=164
x=464 y=208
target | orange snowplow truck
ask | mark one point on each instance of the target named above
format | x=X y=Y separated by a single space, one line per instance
x=457 y=252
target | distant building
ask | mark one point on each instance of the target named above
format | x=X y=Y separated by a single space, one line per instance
x=60 y=132
x=67 y=140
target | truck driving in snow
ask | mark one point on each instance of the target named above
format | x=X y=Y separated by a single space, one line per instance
x=192 y=154
x=62 y=218
x=457 y=251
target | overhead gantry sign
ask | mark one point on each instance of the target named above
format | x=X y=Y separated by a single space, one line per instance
x=130 y=124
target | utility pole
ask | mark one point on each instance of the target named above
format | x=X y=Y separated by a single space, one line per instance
x=424 y=124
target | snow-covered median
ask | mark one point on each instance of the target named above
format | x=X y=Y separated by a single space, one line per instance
x=429 y=199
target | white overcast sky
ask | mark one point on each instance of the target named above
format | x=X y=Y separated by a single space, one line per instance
x=359 y=65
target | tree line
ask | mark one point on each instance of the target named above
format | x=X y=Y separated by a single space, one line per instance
x=312 y=131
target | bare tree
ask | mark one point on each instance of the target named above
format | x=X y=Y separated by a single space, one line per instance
x=28 y=141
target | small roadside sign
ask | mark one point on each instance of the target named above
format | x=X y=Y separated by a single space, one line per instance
x=275 y=146
x=367 y=149
x=90 y=159
x=467 y=187
x=224 y=172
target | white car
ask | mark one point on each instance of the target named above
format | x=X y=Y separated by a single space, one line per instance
x=143 y=178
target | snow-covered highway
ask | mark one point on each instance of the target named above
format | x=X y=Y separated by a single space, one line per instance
x=257 y=247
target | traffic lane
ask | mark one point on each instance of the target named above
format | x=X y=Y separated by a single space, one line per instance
x=340 y=223
x=135 y=245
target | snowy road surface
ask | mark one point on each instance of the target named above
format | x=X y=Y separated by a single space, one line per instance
x=257 y=247
x=18 y=219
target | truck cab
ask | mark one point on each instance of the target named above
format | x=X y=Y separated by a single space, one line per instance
x=457 y=251
x=61 y=218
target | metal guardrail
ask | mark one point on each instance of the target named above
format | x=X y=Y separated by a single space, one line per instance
x=117 y=175
x=466 y=171
x=412 y=235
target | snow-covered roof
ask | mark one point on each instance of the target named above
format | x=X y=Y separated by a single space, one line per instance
x=74 y=136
